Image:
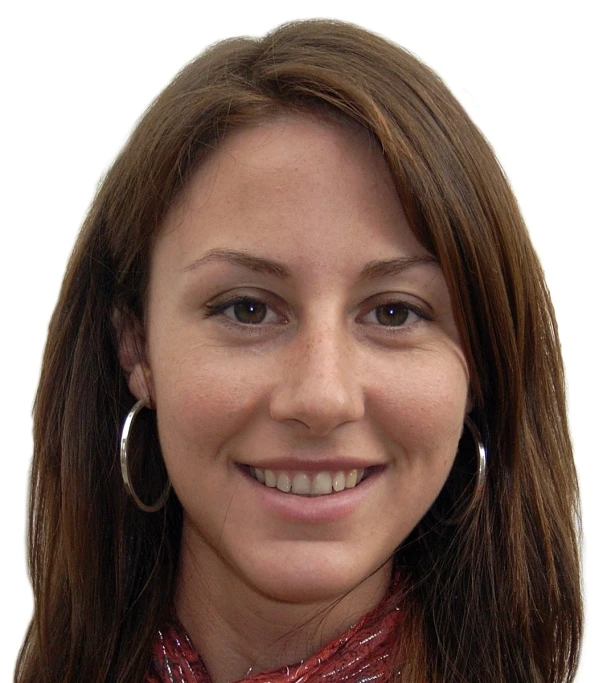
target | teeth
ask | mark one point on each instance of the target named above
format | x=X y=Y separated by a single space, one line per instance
x=339 y=481
x=351 y=480
x=284 y=483
x=306 y=484
x=301 y=484
x=322 y=484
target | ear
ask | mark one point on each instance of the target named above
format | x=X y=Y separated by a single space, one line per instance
x=132 y=355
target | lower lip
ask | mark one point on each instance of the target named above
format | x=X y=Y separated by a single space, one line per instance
x=317 y=509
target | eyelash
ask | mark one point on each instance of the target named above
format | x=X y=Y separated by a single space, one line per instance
x=221 y=308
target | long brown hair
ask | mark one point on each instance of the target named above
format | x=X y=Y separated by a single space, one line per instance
x=490 y=594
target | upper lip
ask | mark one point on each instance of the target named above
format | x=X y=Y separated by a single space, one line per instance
x=306 y=465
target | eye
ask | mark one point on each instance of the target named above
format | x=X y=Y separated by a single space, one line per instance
x=393 y=314
x=245 y=311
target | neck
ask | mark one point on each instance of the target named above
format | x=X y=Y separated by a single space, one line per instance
x=238 y=629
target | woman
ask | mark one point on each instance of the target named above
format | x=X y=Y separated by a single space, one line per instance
x=306 y=285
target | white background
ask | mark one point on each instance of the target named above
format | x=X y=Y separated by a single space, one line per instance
x=76 y=76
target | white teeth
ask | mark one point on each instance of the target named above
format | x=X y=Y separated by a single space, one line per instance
x=301 y=484
x=339 y=481
x=351 y=480
x=284 y=483
x=322 y=484
x=309 y=484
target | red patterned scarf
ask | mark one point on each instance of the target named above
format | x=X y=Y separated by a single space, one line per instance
x=360 y=654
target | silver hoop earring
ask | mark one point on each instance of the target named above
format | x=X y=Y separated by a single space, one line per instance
x=481 y=451
x=143 y=403
x=461 y=513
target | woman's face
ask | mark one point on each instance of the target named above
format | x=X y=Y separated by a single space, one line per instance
x=296 y=326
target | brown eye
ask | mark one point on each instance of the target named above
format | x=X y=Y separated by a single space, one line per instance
x=249 y=311
x=392 y=315
x=245 y=311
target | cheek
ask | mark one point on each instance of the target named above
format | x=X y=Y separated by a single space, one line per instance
x=421 y=415
x=201 y=402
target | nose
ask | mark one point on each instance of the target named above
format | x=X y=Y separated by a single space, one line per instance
x=318 y=384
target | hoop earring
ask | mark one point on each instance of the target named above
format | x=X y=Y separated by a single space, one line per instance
x=479 y=485
x=481 y=451
x=143 y=403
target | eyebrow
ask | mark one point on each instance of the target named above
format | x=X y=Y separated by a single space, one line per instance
x=371 y=271
x=243 y=259
x=378 y=269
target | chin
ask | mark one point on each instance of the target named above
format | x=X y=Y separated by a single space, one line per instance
x=314 y=575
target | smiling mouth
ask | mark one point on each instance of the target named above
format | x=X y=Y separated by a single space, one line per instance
x=310 y=484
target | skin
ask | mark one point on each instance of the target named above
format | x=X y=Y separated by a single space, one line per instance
x=319 y=377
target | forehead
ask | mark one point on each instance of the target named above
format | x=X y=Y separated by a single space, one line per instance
x=295 y=184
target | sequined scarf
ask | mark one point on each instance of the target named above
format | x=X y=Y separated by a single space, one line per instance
x=361 y=654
